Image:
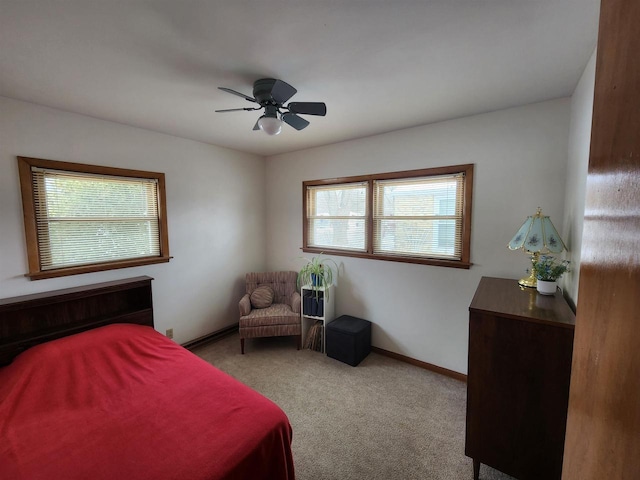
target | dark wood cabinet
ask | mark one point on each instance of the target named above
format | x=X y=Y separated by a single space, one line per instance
x=520 y=347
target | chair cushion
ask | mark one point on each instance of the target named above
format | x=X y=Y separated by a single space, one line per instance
x=262 y=297
x=276 y=314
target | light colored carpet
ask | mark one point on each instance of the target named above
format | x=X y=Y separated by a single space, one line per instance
x=383 y=419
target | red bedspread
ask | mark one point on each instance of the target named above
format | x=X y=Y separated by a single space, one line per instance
x=124 y=402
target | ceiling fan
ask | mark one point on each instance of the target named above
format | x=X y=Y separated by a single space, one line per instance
x=271 y=94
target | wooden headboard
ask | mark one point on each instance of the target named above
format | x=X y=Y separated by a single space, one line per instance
x=28 y=320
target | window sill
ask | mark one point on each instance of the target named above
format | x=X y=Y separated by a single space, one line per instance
x=98 y=267
x=391 y=258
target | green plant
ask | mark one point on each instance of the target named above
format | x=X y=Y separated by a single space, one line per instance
x=549 y=269
x=317 y=273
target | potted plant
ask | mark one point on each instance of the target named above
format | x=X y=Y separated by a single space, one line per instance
x=548 y=270
x=317 y=273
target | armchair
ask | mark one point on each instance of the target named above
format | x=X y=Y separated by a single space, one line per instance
x=262 y=316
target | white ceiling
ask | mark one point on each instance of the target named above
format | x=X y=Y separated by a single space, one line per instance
x=380 y=65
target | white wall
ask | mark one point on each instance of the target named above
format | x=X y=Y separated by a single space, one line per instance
x=217 y=233
x=417 y=310
x=577 y=165
x=215 y=203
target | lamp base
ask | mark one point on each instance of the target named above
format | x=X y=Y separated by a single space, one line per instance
x=531 y=281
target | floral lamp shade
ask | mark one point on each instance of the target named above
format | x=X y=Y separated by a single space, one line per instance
x=537 y=235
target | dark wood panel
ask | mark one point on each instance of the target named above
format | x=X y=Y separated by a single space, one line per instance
x=28 y=320
x=518 y=379
x=603 y=429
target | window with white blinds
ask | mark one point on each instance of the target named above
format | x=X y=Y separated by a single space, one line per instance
x=418 y=216
x=88 y=221
x=336 y=216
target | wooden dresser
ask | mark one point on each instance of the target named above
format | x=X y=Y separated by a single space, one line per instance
x=520 y=347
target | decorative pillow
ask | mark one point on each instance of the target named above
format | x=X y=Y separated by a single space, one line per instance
x=262 y=297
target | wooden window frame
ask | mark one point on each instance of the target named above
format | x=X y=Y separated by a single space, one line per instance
x=25 y=165
x=465 y=258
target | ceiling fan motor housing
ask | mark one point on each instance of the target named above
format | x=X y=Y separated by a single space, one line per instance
x=262 y=91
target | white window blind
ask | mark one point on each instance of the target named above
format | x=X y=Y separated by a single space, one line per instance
x=83 y=219
x=337 y=216
x=419 y=217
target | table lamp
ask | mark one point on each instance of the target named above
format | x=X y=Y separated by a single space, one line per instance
x=536 y=236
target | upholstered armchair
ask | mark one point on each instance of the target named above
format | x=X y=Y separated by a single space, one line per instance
x=270 y=307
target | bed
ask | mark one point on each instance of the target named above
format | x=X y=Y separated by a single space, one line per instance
x=95 y=392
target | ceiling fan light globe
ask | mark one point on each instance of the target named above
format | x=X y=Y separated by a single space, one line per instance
x=270 y=125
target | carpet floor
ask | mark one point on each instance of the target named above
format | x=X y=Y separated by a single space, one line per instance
x=383 y=419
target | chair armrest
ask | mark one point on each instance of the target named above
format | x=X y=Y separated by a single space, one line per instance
x=245 y=305
x=295 y=302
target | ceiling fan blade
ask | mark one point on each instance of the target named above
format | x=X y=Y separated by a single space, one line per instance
x=233 y=92
x=237 y=109
x=294 y=120
x=308 y=108
x=282 y=91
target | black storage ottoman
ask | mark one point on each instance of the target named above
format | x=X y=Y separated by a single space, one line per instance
x=348 y=339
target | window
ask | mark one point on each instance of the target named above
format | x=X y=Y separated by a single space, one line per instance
x=337 y=216
x=419 y=216
x=83 y=218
